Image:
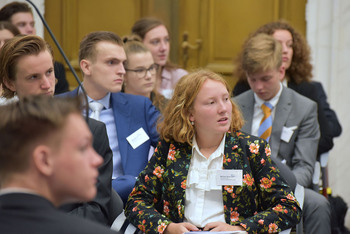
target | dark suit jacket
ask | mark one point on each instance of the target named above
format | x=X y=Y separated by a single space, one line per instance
x=28 y=213
x=162 y=185
x=98 y=209
x=62 y=83
x=331 y=116
x=310 y=91
x=292 y=110
x=130 y=113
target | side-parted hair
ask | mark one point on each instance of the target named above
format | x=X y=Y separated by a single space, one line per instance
x=176 y=124
x=133 y=45
x=8 y=26
x=261 y=53
x=12 y=51
x=143 y=25
x=7 y=11
x=27 y=123
x=87 y=48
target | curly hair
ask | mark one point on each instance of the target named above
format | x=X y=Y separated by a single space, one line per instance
x=300 y=69
x=176 y=124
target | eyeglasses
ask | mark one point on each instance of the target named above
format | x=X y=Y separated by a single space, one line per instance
x=142 y=72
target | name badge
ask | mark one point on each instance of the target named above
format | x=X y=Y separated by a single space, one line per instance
x=229 y=177
x=137 y=138
x=287 y=133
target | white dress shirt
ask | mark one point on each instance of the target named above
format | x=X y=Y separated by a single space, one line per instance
x=259 y=114
x=204 y=202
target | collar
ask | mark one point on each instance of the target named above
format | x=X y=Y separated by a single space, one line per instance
x=166 y=74
x=105 y=101
x=219 y=151
x=273 y=101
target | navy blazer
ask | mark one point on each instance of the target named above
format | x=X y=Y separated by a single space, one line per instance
x=132 y=112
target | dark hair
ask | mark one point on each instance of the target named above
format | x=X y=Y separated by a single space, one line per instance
x=300 y=69
x=7 y=11
x=12 y=51
x=26 y=123
x=8 y=26
x=88 y=43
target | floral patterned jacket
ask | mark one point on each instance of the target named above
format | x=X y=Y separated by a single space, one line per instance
x=263 y=204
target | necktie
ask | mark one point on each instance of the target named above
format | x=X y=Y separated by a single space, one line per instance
x=266 y=122
x=96 y=110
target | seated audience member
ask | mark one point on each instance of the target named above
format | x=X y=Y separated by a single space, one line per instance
x=155 y=36
x=287 y=120
x=26 y=68
x=46 y=160
x=21 y=15
x=206 y=173
x=298 y=76
x=130 y=119
x=140 y=75
x=7 y=31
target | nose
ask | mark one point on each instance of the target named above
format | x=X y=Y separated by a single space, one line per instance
x=148 y=74
x=222 y=106
x=121 y=69
x=284 y=48
x=163 y=46
x=46 y=83
x=96 y=159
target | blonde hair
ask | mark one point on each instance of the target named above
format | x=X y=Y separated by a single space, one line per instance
x=261 y=53
x=176 y=124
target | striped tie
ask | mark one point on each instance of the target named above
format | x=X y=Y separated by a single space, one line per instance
x=266 y=122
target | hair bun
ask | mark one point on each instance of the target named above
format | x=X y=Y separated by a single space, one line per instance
x=132 y=37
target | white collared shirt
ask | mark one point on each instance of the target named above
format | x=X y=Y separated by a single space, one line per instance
x=204 y=202
x=259 y=114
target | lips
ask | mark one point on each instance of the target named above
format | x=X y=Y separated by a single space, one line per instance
x=223 y=119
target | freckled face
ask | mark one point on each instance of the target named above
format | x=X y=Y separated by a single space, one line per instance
x=212 y=109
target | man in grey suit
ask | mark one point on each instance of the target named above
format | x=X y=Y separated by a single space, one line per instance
x=290 y=124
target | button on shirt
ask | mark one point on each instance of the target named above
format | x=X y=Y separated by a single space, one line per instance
x=204 y=202
x=259 y=114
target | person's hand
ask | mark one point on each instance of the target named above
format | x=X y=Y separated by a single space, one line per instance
x=221 y=226
x=175 y=228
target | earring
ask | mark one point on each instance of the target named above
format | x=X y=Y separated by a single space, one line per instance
x=192 y=123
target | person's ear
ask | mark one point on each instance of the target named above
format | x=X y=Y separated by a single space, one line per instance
x=191 y=117
x=85 y=66
x=10 y=85
x=43 y=159
x=282 y=72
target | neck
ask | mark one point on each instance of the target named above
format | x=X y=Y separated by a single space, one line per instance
x=92 y=91
x=208 y=146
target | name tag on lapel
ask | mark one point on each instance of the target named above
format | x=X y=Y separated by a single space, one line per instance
x=287 y=133
x=229 y=177
x=137 y=138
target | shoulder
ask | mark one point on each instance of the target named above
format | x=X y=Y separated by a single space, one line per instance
x=244 y=97
x=126 y=98
x=68 y=94
x=174 y=73
x=297 y=98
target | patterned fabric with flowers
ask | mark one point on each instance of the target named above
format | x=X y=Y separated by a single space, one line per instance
x=263 y=204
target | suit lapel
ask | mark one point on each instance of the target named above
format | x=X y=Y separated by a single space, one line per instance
x=247 y=108
x=122 y=120
x=283 y=109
